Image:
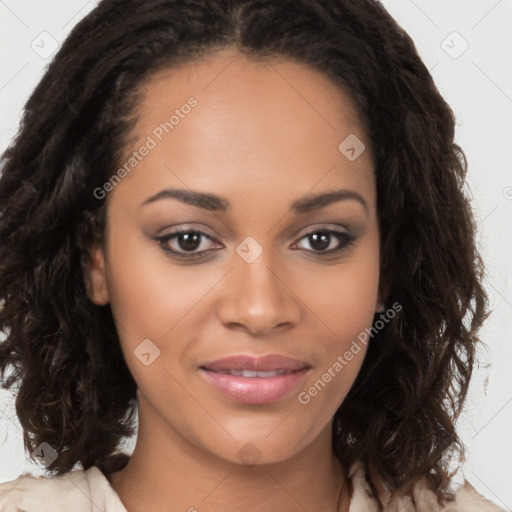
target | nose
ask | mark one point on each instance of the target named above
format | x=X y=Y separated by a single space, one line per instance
x=258 y=299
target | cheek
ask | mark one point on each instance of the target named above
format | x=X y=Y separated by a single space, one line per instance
x=148 y=294
x=139 y=292
x=344 y=305
x=343 y=297
x=153 y=298
x=345 y=322
x=148 y=298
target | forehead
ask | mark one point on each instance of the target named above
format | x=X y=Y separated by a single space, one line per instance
x=274 y=124
x=228 y=81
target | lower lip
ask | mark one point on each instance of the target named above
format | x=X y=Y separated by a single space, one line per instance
x=255 y=390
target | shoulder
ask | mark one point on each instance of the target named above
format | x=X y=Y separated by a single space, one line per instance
x=30 y=493
x=464 y=499
x=468 y=499
x=421 y=499
x=78 y=491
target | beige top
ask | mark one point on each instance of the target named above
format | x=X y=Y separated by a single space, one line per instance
x=90 y=491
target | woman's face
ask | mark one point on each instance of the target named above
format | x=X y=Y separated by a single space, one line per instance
x=264 y=272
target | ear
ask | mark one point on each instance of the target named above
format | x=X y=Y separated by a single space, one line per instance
x=95 y=276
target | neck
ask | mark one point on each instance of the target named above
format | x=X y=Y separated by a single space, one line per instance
x=166 y=470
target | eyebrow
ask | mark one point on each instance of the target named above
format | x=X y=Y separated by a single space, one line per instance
x=212 y=202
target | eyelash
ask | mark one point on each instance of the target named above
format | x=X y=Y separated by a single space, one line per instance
x=345 y=239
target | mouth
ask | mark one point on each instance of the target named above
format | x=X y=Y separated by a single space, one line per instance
x=250 y=374
x=258 y=364
x=255 y=380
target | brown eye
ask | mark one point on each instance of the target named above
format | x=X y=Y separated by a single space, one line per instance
x=185 y=241
x=322 y=239
x=188 y=241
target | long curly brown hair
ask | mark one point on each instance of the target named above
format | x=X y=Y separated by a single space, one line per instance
x=74 y=390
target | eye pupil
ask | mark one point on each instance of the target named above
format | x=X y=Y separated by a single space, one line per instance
x=320 y=240
x=189 y=241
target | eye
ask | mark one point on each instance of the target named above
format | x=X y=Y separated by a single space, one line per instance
x=186 y=243
x=322 y=239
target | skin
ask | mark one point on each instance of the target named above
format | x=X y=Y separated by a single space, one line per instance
x=262 y=136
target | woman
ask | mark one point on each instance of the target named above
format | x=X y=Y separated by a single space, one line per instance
x=245 y=221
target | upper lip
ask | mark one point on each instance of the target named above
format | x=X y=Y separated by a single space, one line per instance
x=261 y=364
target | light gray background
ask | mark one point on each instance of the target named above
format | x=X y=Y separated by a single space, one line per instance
x=477 y=83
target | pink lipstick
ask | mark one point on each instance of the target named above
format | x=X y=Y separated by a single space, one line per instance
x=255 y=380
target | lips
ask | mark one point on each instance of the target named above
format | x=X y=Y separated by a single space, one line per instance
x=251 y=364
x=255 y=380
